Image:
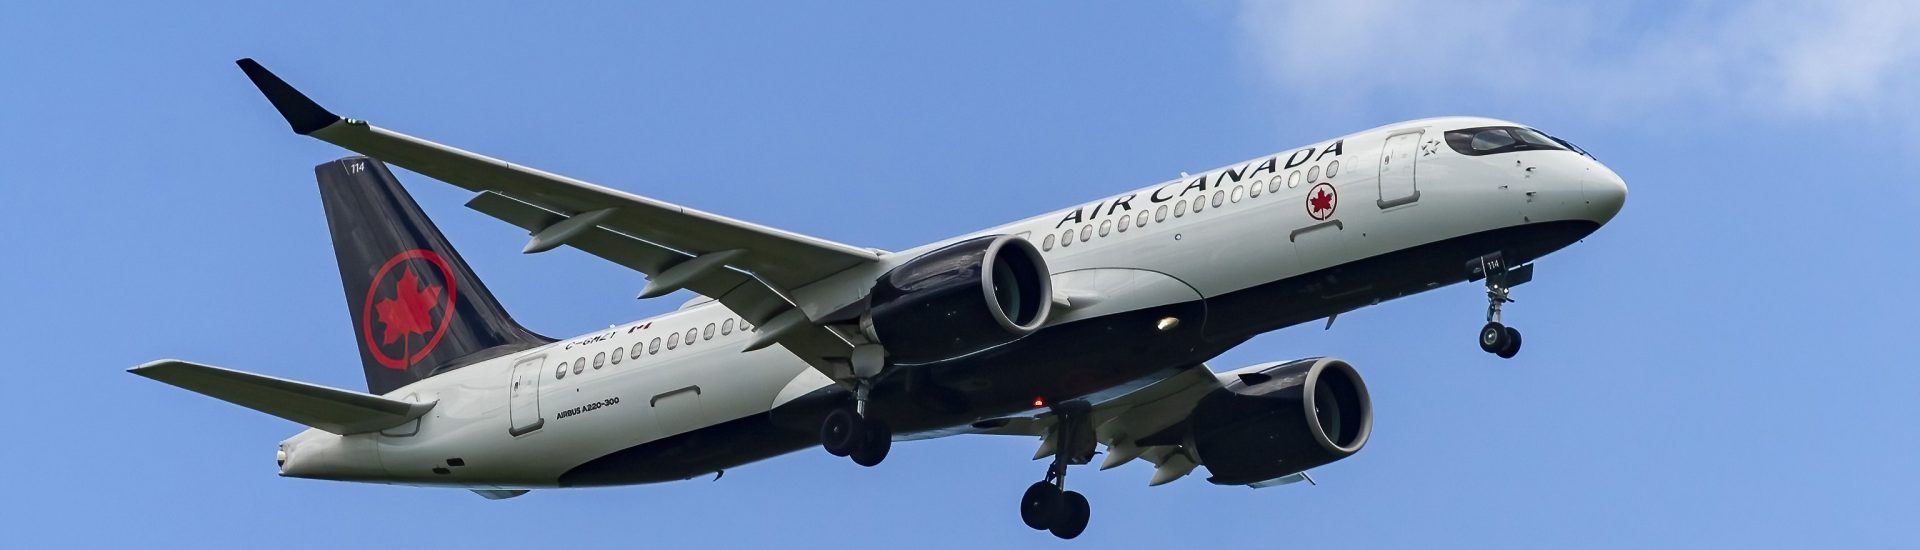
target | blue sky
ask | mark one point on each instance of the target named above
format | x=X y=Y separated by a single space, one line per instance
x=1728 y=364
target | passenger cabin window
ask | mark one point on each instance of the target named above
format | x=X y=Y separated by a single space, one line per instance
x=618 y=354
x=1160 y=214
x=1048 y=244
x=580 y=365
x=727 y=327
x=654 y=346
x=1086 y=233
x=1293 y=179
x=1313 y=174
x=1253 y=191
x=599 y=360
x=692 y=334
x=673 y=340
x=636 y=350
x=1125 y=221
x=708 y=333
x=1141 y=220
x=1333 y=169
x=1238 y=193
x=1493 y=140
x=560 y=371
x=1219 y=198
x=1179 y=209
x=1066 y=238
x=1106 y=227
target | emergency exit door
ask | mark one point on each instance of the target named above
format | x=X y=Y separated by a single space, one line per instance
x=523 y=396
x=1398 y=161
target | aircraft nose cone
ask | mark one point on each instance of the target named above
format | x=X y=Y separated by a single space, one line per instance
x=1606 y=194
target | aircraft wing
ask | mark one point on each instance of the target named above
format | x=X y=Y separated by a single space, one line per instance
x=1133 y=425
x=748 y=267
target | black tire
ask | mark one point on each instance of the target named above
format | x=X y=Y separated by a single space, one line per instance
x=1073 y=516
x=1040 y=505
x=840 y=432
x=1493 y=337
x=875 y=440
x=1513 y=344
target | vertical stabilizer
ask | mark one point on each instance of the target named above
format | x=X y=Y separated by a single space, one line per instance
x=416 y=305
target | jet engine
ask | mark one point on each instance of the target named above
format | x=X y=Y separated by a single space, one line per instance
x=1281 y=420
x=959 y=299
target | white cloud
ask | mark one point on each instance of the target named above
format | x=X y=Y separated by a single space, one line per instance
x=1813 y=59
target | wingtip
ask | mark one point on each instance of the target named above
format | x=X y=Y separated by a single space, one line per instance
x=301 y=112
x=154 y=364
x=143 y=368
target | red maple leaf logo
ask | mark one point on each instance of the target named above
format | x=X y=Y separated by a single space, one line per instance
x=410 y=311
x=1322 y=201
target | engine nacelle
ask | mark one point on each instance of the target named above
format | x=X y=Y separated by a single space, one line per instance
x=1281 y=420
x=960 y=299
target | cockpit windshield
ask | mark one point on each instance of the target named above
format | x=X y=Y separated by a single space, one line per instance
x=1493 y=140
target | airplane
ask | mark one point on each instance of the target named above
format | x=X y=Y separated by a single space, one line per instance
x=1085 y=327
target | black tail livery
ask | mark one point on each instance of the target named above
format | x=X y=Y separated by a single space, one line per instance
x=417 y=308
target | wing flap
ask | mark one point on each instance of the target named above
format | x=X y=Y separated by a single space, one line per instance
x=334 y=410
x=1121 y=422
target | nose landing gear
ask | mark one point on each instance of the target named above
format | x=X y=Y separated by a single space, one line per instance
x=1497 y=338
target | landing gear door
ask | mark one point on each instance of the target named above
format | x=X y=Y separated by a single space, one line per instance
x=523 y=396
x=1397 y=163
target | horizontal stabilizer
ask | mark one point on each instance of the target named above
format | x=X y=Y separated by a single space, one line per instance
x=334 y=410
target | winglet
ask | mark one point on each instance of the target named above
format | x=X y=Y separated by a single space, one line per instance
x=306 y=116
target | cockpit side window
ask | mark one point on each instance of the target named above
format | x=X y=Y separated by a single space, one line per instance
x=1493 y=140
x=1570 y=145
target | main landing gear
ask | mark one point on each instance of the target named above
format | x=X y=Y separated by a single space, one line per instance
x=1047 y=504
x=851 y=432
x=1497 y=338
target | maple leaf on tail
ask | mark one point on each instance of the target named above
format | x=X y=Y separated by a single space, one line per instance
x=410 y=311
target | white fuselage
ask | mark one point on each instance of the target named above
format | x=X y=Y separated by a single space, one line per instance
x=524 y=420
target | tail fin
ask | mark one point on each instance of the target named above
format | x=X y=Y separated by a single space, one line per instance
x=417 y=307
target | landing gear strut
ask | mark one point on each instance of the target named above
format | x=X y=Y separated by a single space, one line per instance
x=851 y=432
x=1497 y=338
x=1047 y=504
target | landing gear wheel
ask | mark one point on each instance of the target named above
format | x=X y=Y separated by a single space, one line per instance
x=1042 y=502
x=1494 y=337
x=1513 y=344
x=875 y=440
x=840 y=433
x=1072 y=518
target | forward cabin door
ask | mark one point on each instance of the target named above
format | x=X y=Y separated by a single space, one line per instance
x=1397 y=163
x=523 y=396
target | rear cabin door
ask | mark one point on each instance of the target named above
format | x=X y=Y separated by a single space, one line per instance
x=523 y=396
x=1397 y=163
